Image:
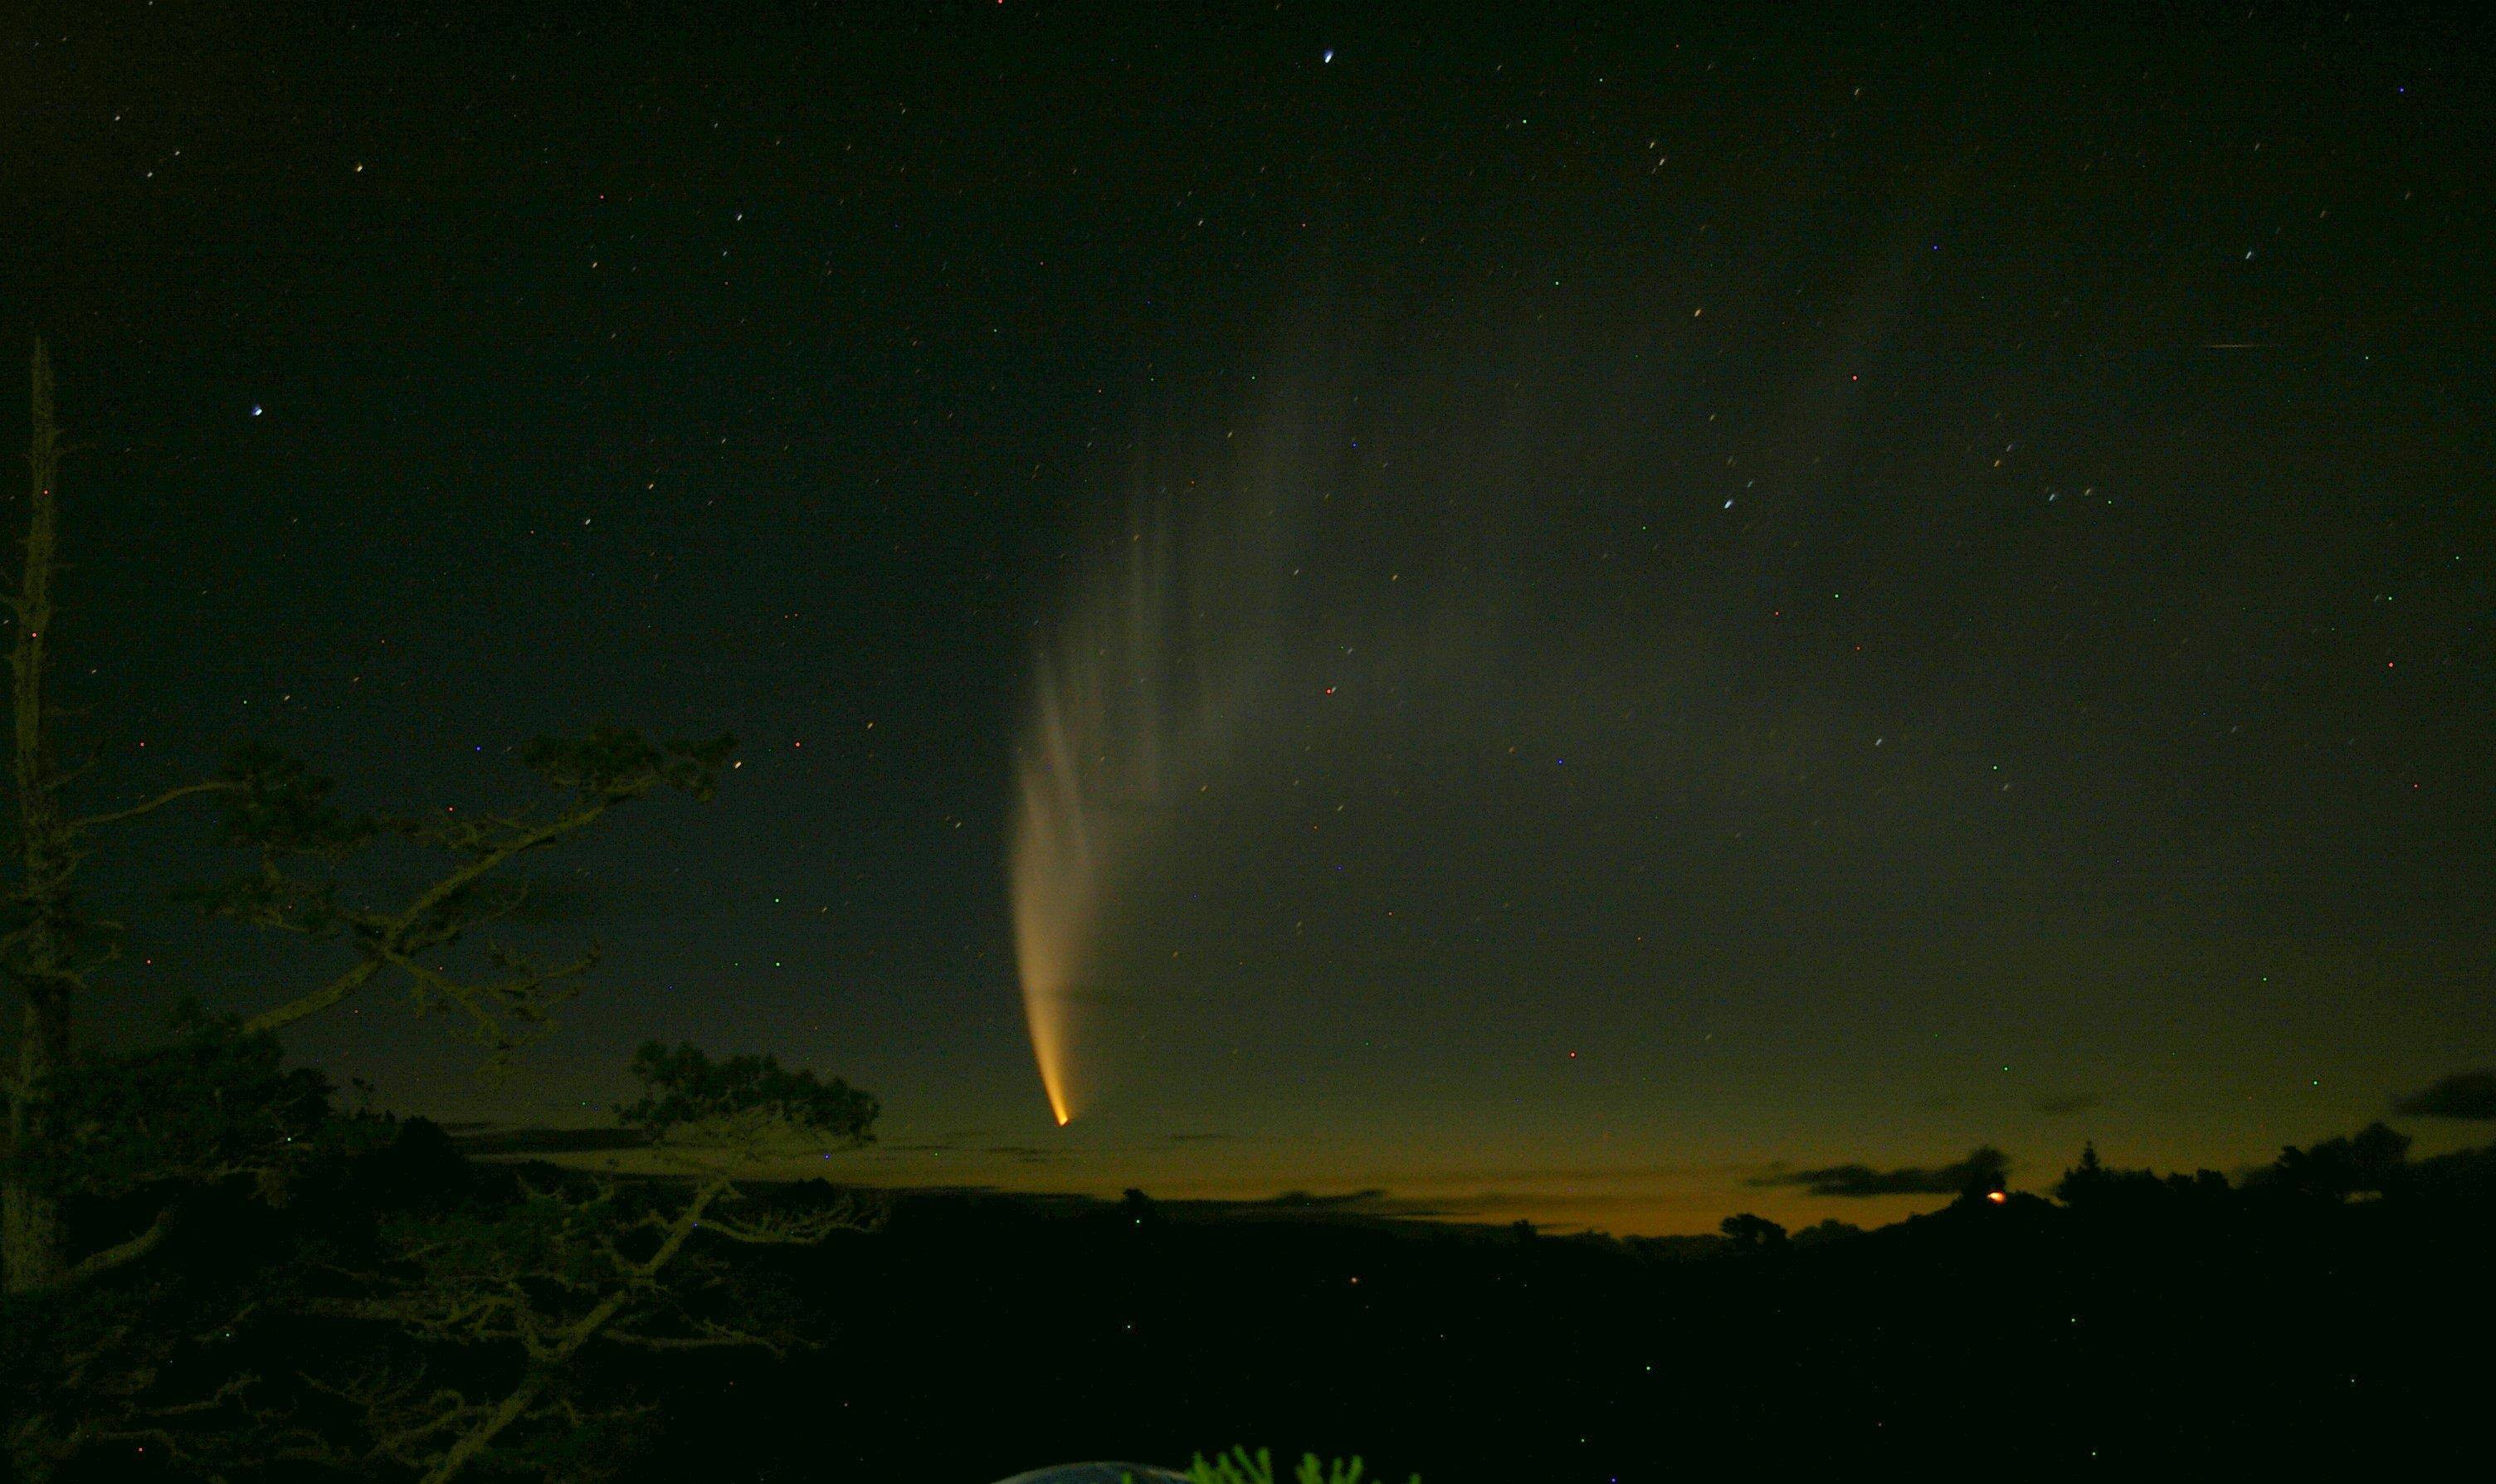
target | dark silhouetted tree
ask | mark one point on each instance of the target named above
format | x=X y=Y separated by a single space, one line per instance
x=2370 y=1161
x=2085 y=1181
x=1752 y=1233
x=520 y=1290
x=215 y=1107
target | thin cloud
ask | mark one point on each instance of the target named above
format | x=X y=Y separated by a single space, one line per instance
x=1371 y=1203
x=1303 y=1200
x=1025 y=1154
x=1855 y=1180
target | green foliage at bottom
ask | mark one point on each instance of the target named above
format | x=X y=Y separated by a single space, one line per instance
x=1239 y=1467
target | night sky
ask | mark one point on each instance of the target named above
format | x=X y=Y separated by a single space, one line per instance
x=1827 y=589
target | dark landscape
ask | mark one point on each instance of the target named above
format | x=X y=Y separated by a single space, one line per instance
x=2165 y=1331
x=2326 y=1314
x=1013 y=740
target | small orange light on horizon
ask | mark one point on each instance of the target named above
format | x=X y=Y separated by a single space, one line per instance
x=1998 y=1197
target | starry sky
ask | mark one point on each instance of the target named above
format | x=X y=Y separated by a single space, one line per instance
x=1850 y=586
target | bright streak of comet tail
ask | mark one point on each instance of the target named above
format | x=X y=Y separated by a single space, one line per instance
x=1172 y=618
x=1086 y=779
x=1052 y=882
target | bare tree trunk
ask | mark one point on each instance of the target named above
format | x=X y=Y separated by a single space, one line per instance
x=34 y=958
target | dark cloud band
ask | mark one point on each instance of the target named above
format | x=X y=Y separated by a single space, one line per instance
x=1985 y=1165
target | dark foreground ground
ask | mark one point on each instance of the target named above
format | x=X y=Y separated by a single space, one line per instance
x=2161 y=1331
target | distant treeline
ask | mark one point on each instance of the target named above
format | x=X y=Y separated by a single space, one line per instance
x=2333 y=1312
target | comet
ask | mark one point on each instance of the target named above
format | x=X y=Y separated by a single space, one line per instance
x=1102 y=720
x=1137 y=686
x=1053 y=882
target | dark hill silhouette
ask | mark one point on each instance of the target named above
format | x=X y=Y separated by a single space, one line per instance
x=2330 y=1315
x=2173 y=1324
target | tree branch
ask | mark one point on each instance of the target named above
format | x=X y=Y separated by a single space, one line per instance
x=125 y=1253
x=328 y=995
x=719 y=1341
x=396 y=936
x=169 y=796
x=522 y=995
